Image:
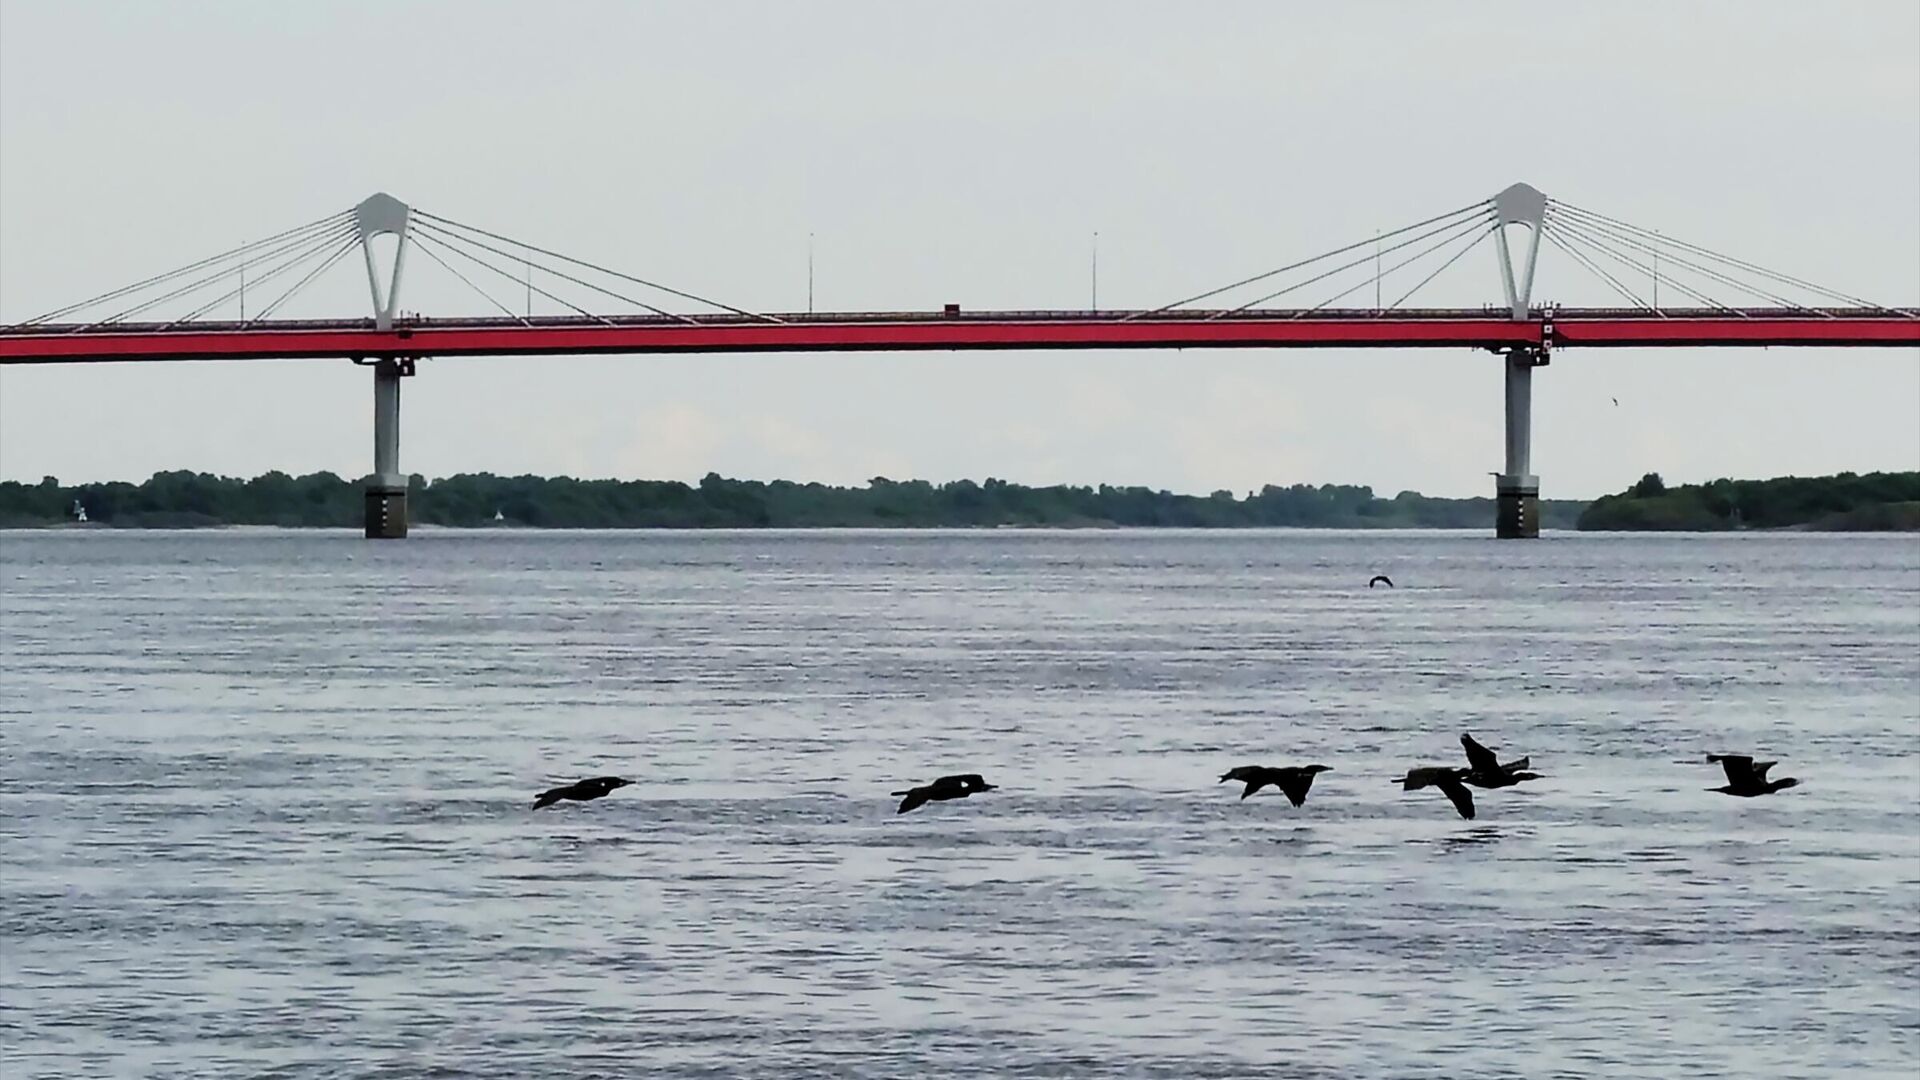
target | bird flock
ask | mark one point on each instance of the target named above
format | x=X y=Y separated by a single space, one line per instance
x=1745 y=778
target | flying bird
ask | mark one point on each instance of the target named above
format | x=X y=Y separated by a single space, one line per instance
x=1444 y=778
x=1294 y=780
x=1485 y=769
x=1747 y=777
x=1380 y=579
x=581 y=791
x=947 y=787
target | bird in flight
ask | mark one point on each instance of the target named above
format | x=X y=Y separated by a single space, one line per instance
x=1747 y=777
x=1484 y=769
x=581 y=791
x=947 y=787
x=1444 y=778
x=1380 y=579
x=1294 y=780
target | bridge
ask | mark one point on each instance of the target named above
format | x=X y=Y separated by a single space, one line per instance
x=1770 y=309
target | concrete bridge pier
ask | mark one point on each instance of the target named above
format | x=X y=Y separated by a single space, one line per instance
x=386 y=517
x=1517 y=490
x=382 y=214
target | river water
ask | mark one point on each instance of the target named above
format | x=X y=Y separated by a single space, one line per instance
x=264 y=801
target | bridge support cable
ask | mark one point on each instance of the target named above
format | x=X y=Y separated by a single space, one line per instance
x=325 y=224
x=468 y=282
x=1597 y=271
x=449 y=239
x=1481 y=206
x=303 y=247
x=1374 y=257
x=1628 y=241
x=1578 y=235
x=1477 y=228
x=449 y=223
x=309 y=253
x=1478 y=239
x=1670 y=244
x=449 y=242
x=339 y=253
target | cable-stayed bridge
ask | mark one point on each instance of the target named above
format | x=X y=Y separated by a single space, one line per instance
x=199 y=312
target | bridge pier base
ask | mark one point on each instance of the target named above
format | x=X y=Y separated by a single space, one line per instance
x=1517 y=490
x=386 y=515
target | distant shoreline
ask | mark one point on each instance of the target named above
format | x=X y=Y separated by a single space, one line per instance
x=1847 y=502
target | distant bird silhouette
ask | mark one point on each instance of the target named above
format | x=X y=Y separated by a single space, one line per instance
x=1486 y=771
x=1616 y=401
x=1444 y=778
x=580 y=792
x=1380 y=579
x=1292 y=779
x=1747 y=777
x=947 y=787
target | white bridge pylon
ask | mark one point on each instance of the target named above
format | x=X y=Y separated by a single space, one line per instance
x=379 y=214
x=1521 y=204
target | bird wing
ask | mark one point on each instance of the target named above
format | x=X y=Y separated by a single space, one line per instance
x=1760 y=769
x=1516 y=766
x=1739 y=767
x=550 y=796
x=1479 y=757
x=1296 y=787
x=1255 y=783
x=1462 y=798
x=916 y=797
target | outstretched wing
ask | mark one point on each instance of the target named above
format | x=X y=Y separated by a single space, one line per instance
x=1739 y=767
x=1462 y=798
x=1760 y=769
x=1256 y=782
x=1516 y=766
x=1479 y=757
x=549 y=797
x=916 y=797
x=1296 y=787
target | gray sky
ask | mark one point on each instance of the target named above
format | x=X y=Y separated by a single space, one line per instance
x=965 y=153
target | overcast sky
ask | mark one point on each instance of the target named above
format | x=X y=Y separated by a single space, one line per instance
x=964 y=152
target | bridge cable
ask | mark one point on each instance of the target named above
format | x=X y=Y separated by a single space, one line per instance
x=1472 y=225
x=325 y=238
x=1482 y=205
x=1477 y=241
x=1785 y=279
x=445 y=237
x=448 y=267
x=1633 y=242
x=320 y=224
x=1575 y=235
x=1599 y=272
x=1323 y=275
x=311 y=252
x=600 y=269
x=340 y=252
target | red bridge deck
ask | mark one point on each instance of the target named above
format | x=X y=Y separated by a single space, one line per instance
x=901 y=331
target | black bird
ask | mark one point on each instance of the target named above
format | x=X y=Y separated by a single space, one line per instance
x=1380 y=579
x=1292 y=779
x=1447 y=780
x=1747 y=777
x=947 y=787
x=580 y=792
x=1486 y=770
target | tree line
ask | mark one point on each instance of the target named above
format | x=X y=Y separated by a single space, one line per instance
x=1870 y=501
x=188 y=499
